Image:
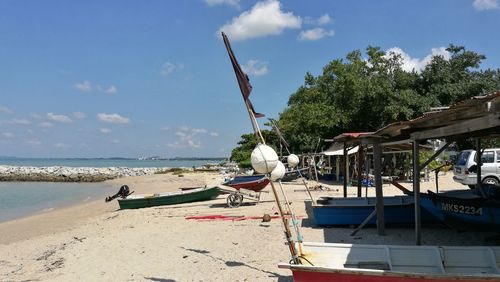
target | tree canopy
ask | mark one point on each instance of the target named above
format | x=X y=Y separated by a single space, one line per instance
x=362 y=93
x=357 y=94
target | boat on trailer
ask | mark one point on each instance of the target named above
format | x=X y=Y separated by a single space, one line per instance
x=373 y=263
x=398 y=210
x=169 y=198
x=255 y=182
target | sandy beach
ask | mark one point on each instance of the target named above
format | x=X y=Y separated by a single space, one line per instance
x=97 y=241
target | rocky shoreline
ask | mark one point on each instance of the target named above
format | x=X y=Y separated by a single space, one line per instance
x=72 y=174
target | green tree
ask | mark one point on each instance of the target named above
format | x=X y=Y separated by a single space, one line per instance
x=359 y=94
x=241 y=154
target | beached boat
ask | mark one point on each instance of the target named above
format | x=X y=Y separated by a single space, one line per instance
x=398 y=210
x=465 y=208
x=295 y=174
x=255 y=182
x=356 y=262
x=170 y=198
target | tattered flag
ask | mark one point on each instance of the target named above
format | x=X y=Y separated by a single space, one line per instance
x=243 y=80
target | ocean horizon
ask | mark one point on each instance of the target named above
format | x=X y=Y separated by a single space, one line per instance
x=109 y=162
x=20 y=199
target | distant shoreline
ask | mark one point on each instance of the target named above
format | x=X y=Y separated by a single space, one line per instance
x=2 y=158
x=56 y=173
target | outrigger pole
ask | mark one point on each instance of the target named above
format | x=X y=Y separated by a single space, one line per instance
x=246 y=88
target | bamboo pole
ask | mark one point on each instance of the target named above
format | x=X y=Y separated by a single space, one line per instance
x=288 y=233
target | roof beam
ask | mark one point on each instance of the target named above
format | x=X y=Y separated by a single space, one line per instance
x=464 y=127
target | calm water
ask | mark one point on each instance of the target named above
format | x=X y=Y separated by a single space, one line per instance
x=104 y=162
x=19 y=199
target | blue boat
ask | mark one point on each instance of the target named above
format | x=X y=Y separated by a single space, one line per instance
x=398 y=210
x=464 y=209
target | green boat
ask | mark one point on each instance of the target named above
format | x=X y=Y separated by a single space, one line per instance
x=170 y=198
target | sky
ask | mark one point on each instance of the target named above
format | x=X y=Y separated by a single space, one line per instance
x=152 y=78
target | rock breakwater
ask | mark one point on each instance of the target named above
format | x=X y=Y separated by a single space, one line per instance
x=71 y=174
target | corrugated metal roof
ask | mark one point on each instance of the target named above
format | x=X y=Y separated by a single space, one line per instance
x=457 y=114
x=476 y=107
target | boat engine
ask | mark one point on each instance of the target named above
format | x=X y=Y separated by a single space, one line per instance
x=123 y=193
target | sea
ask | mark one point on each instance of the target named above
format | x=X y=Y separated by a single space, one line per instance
x=21 y=199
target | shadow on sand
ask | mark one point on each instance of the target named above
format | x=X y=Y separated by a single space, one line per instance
x=281 y=278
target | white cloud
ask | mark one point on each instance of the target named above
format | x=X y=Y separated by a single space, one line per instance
x=33 y=142
x=187 y=137
x=198 y=130
x=324 y=19
x=111 y=90
x=113 y=118
x=417 y=64
x=61 y=145
x=79 y=115
x=315 y=34
x=485 y=4
x=214 y=134
x=45 y=124
x=84 y=86
x=5 y=110
x=265 y=18
x=234 y=3
x=19 y=121
x=165 y=128
x=105 y=130
x=255 y=67
x=115 y=141
x=167 y=68
x=7 y=135
x=58 y=118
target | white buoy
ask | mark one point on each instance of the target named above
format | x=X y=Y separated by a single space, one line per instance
x=264 y=159
x=278 y=172
x=292 y=160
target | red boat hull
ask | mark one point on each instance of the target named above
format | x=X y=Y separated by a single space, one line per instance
x=300 y=275
x=253 y=182
x=255 y=186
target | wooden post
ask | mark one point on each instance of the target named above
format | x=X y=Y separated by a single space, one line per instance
x=478 y=164
x=416 y=190
x=337 y=168
x=346 y=168
x=367 y=168
x=360 y=168
x=479 y=184
x=379 y=206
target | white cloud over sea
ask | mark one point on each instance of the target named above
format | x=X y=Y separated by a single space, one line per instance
x=59 y=118
x=84 y=86
x=187 y=137
x=112 y=118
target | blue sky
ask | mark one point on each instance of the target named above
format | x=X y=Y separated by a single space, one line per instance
x=146 y=78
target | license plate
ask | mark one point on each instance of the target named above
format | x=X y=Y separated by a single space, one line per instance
x=458 y=170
